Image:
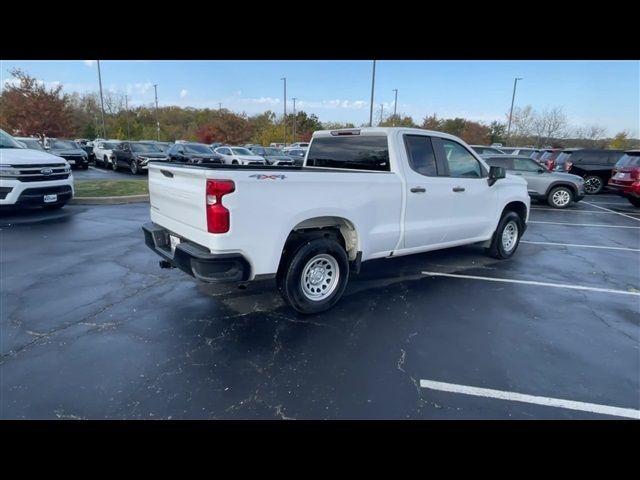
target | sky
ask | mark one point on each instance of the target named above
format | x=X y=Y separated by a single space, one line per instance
x=605 y=93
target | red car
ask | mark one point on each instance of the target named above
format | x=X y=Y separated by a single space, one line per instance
x=548 y=157
x=625 y=177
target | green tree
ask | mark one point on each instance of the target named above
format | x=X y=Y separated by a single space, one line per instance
x=431 y=122
x=398 y=120
x=497 y=132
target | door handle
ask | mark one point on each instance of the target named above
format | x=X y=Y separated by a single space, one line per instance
x=518 y=174
x=418 y=190
x=458 y=189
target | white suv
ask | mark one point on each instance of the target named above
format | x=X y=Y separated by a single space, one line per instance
x=31 y=177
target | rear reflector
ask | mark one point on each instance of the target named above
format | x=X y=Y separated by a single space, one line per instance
x=218 y=217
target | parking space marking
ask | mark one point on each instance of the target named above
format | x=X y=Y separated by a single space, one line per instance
x=583 y=224
x=580 y=246
x=554 y=210
x=532 y=282
x=613 y=211
x=537 y=400
x=622 y=204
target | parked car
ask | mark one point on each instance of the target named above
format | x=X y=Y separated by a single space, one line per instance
x=558 y=189
x=527 y=151
x=298 y=145
x=83 y=143
x=193 y=153
x=363 y=194
x=486 y=150
x=135 y=156
x=239 y=156
x=213 y=146
x=69 y=150
x=103 y=152
x=298 y=155
x=30 y=142
x=594 y=166
x=273 y=156
x=32 y=177
x=277 y=145
x=163 y=146
x=625 y=177
x=547 y=157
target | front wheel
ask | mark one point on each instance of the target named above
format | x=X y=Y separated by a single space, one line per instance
x=593 y=184
x=105 y=162
x=114 y=165
x=634 y=201
x=315 y=276
x=507 y=236
x=134 y=167
x=560 y=197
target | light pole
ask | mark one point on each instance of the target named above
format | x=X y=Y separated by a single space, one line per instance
x=155 y=87
x=219 y=105
x=104 y=128
x=126 y=111
x=395 y=106
x=285 y=110
x=381 y=111
x=373 y=84
x=513 y=97
x=294 y=118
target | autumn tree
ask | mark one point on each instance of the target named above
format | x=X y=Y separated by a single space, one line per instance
x=475 y=133
x=431 y=122
x=620 y=141
x=398 y=120
x=28 y=107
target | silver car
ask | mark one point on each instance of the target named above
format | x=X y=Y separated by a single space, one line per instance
x=559 y=190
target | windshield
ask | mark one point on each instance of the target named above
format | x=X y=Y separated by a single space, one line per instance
x=197 y=149
x=145 y=148
x=546 y=155
x=563 y=157
x=32 y=143
x=63 y=144
x=241 y=151
x=273 y=151
x=629 y=161
x=109 y=146
x=7 y=141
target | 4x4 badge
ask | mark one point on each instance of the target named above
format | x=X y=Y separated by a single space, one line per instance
x=260 y=176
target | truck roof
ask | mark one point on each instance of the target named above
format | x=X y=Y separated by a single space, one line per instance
x=381 y=131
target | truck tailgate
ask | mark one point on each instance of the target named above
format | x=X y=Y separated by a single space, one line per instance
x=177 y=197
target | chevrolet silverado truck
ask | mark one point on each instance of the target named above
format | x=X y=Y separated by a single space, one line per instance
x=32 y=177
x=361 y=194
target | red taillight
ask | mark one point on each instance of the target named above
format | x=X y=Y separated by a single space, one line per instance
x=217 y=214
x=635 y=174
x=635 y=187
x=567 y=166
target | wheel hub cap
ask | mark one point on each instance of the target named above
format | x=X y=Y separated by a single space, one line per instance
x=320 y=277
x=561 y=198
x=509 y=236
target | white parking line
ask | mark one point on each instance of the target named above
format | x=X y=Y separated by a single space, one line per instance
x=554 y=210
x=533 y=282
x=612 y=211
x=584 y=224
x=521 y=397
x=622 y=204
x=580 y=246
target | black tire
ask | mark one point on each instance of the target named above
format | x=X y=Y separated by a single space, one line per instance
x=234 y=162
x=114 y=165
x=55 y=206
x=497 y=248
x=105 y=162
x=593 y=184
x=634 y=201
x=290 y=275
x=560 y=197
x=85 y=167
x=133 y=167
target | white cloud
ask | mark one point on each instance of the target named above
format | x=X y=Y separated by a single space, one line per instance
x=184 y=92
x=89 y=63
x=261 y=101
x=141 y=88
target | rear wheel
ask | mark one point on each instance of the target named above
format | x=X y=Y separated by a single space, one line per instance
x=593 y=184
x=634 y=201
x=560 y=197
x=315 y=276
x=506 y=237
x=234 y=162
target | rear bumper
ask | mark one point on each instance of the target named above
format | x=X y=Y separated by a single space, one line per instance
x=196 y=260
x=626 y=191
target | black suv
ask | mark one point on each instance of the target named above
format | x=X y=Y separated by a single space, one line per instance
x=593 y=165
x=135 y=156
x=193 y=153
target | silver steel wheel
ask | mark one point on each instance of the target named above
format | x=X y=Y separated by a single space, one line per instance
x=593 y=185
x=561 y=198
x=320 y=277
x=510 y=236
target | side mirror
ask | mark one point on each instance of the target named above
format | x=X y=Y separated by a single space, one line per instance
x=541 y=170
x=496 y=173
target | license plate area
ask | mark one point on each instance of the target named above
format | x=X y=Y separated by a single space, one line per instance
x=51 y=198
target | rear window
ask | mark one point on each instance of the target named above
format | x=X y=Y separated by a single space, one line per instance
x=547 y=155
x=563 y=157
x=352 y=152
x=629 y=161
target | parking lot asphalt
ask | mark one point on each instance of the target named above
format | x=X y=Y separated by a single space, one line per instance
x=92 y=328
x=100 y=173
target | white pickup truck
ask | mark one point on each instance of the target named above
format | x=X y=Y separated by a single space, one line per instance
x=362 y=194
